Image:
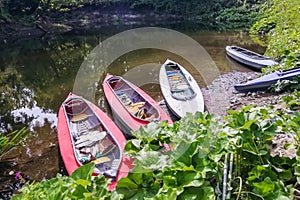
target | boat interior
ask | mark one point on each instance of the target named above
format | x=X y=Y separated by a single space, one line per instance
x=179 y=85
x=92 y=142
x=248 y=53
x=133 y=101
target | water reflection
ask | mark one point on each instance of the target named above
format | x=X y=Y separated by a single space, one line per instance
x=35 y=116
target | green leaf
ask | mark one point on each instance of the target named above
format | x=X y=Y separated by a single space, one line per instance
x=265 y=187
x=189 y=178
x=82 y=182
x=152 y=160
x=285 y=175
x=79 y=191
x=184 y=152
x=128 y=182
x=83 y=172
x=170 y=194
x=199 y=193
x=138 y=186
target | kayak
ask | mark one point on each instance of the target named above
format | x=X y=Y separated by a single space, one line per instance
x=266 y=81
x=249 y=58
x=180 y=90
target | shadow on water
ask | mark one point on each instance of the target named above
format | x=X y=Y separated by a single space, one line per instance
x=36 y=76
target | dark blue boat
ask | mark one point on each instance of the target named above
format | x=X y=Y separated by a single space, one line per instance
x=266 y=81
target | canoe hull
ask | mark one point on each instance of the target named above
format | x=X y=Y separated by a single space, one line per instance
x=181 y=107
x=66 y=146
x=123 y=118
x=266 y=81
x=249 y=58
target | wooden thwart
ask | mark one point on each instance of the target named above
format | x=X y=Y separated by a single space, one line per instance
x=79 y=117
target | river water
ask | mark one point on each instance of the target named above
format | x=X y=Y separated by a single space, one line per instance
x=37 y=74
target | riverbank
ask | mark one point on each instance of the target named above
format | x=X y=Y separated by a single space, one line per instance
x=233 y=100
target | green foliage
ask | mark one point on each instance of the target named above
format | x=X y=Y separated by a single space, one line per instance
x=292 y=101
x=226 y=14
x=80 y=185
x=286 y=85
x=281 y=22
x=3 y=9
x=186 y=160
x=238 y=17
x=8 y=141
x=194 y=161
x=266 y=175
x=241 y=14
x=174 y=161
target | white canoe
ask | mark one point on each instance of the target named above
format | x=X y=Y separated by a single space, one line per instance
x=180 y=90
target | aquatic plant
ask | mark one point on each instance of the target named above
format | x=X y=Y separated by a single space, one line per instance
x=8 y=141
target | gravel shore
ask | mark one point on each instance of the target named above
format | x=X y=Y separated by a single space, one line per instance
x=221 y=96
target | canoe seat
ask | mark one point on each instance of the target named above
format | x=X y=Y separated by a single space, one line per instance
x=79 y=117
x=138 y=104
x=101 y=160
x=170 y=73
x=135 y=107
x=179 y=87
x=174 y=77
x=151 y=117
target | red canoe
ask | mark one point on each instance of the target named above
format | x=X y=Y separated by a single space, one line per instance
x=131 y=107
x=87 y=134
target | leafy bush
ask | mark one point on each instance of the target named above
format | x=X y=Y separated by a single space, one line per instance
x=286 y=85
x=80 y=185
x=229 y=14
x=192 y=164
x=238 y=17
x=174 y=161
x=281 y=22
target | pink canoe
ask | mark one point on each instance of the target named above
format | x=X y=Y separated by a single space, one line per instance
x=86 y=134
x=131 y=106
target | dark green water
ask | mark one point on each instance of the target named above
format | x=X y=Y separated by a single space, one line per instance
x=36 y=75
